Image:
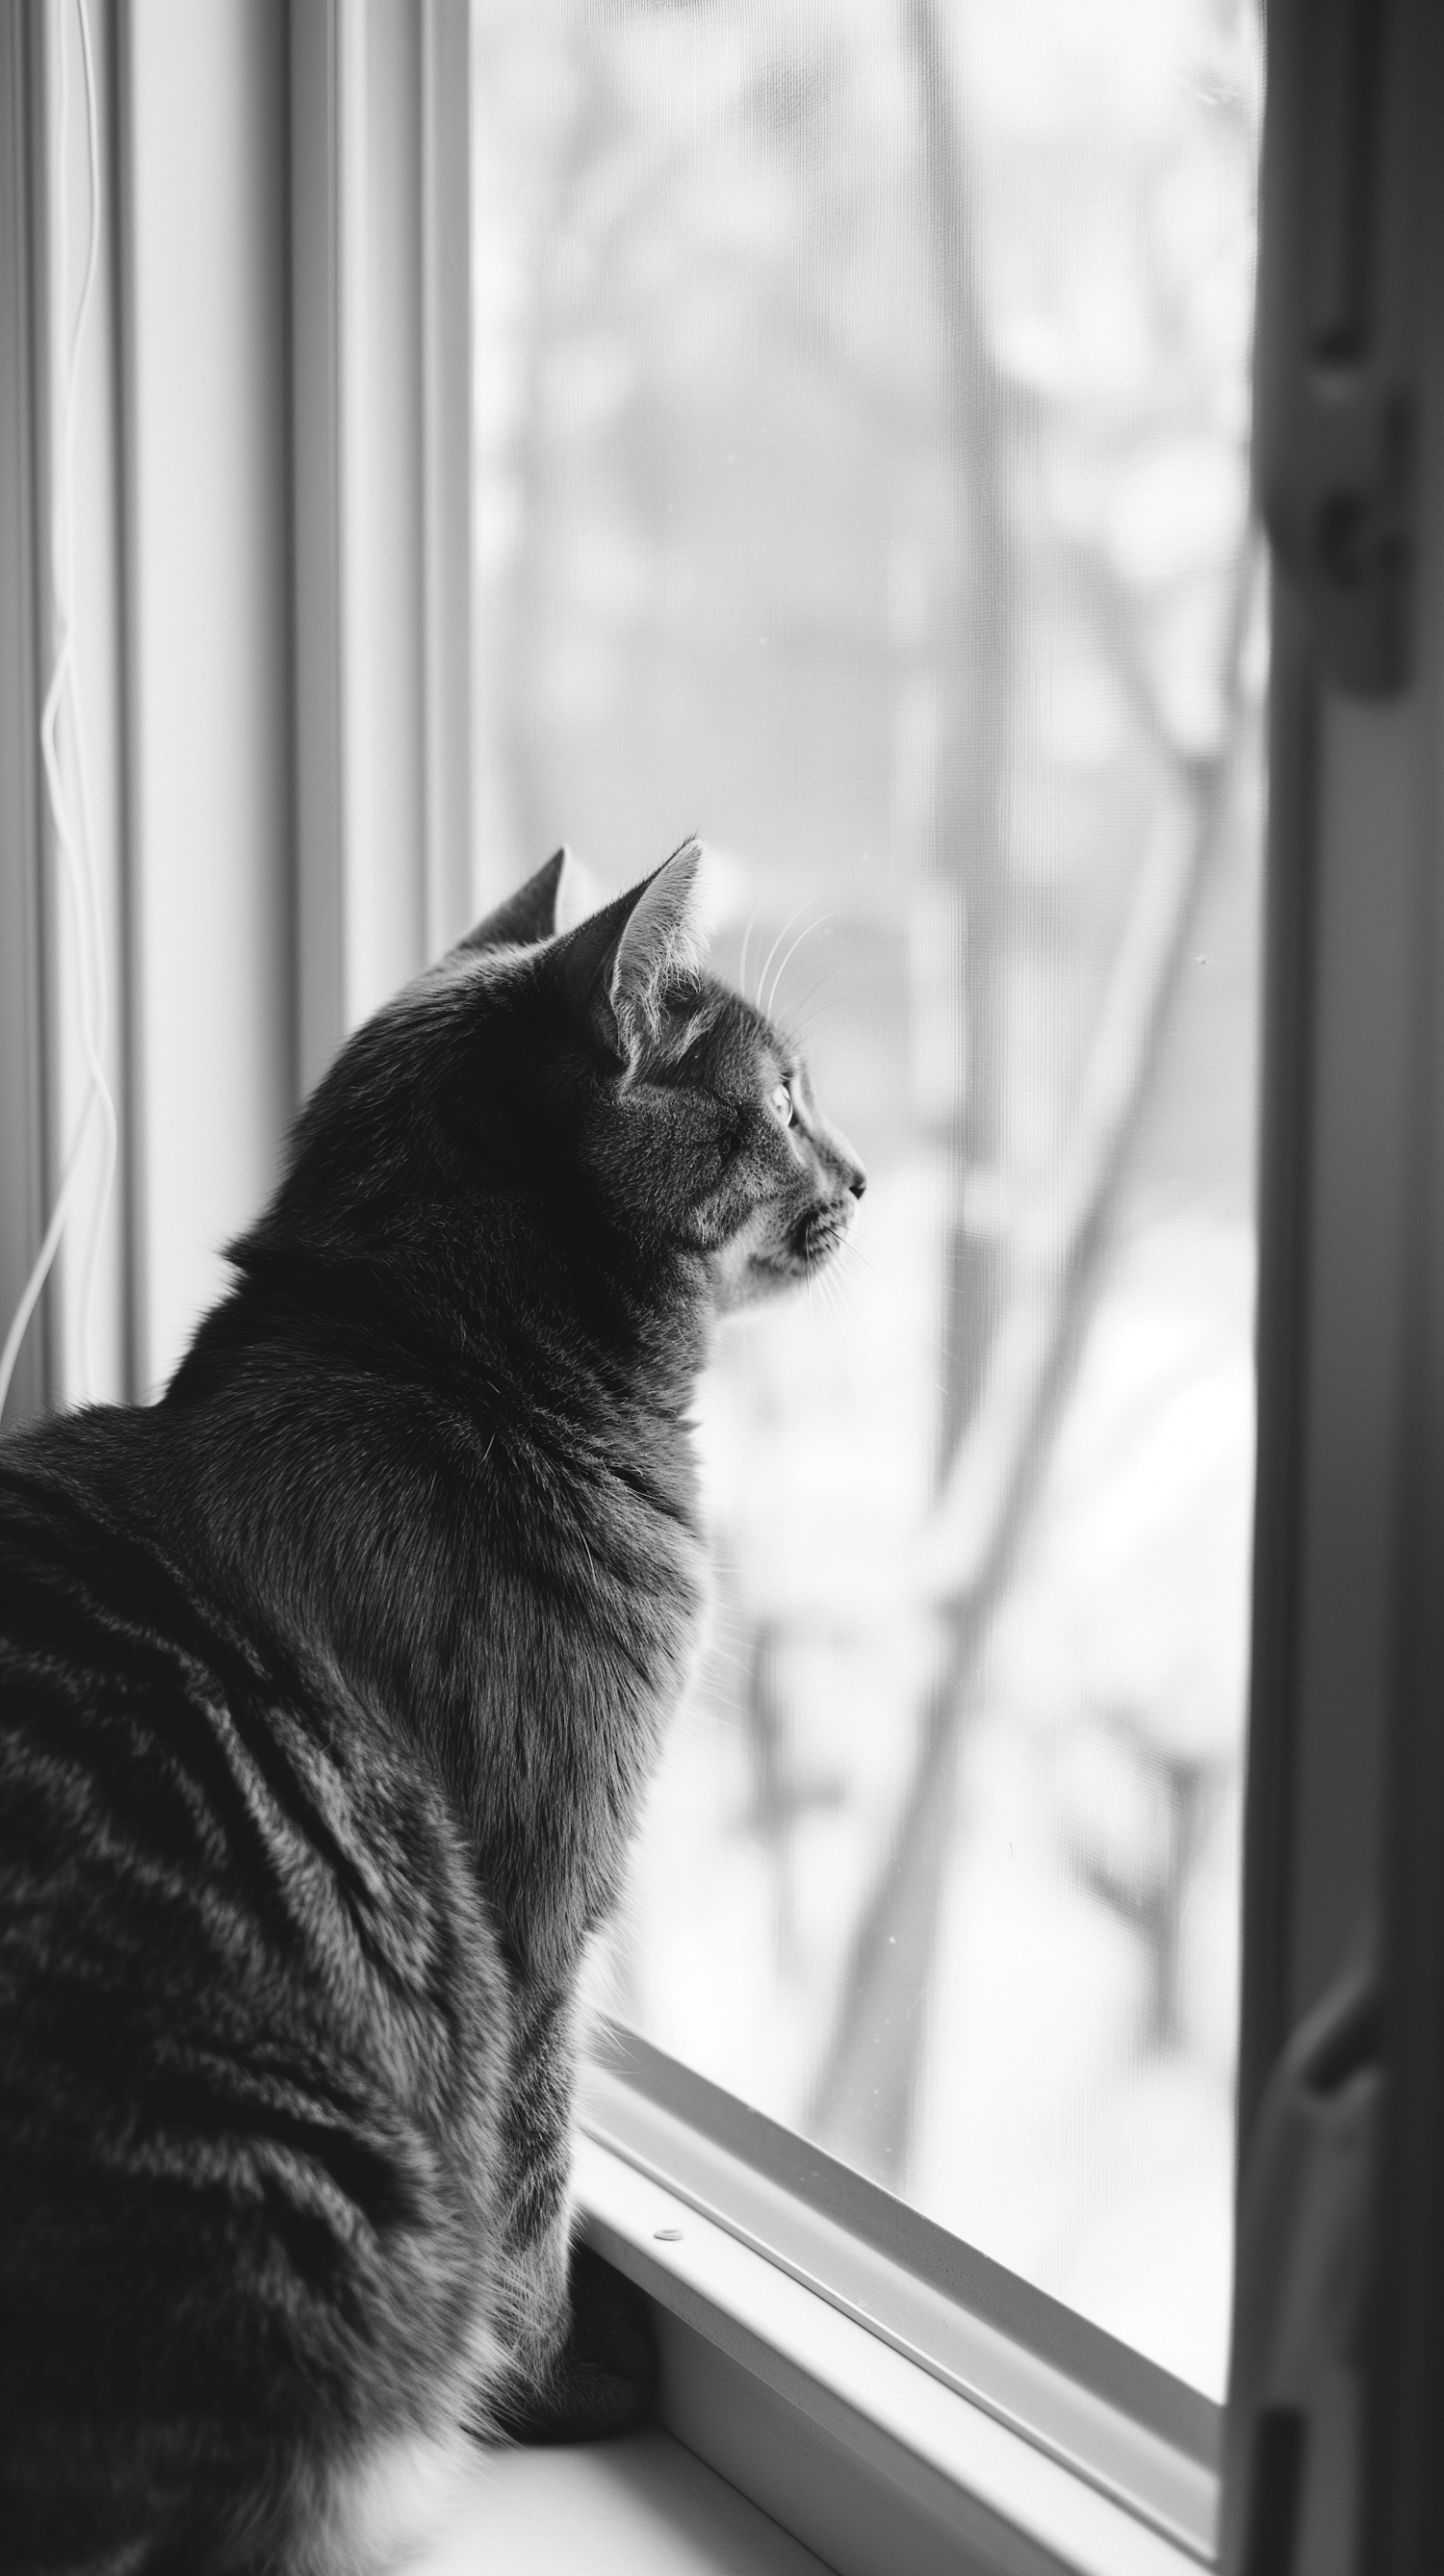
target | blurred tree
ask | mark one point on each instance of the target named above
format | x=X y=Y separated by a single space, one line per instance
x=795 y=521
x=1145 y=1877
x=861 y=2104
x=864 y=2098
x=1022 y=1322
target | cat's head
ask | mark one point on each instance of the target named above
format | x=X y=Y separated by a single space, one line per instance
x=585 y=1057
x=686 y=1108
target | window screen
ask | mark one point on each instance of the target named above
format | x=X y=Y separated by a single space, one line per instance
x=861 y=418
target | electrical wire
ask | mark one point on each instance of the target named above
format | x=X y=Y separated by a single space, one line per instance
x=76 y=849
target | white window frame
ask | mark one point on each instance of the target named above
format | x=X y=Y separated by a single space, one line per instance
x=889 y=2395
x=278 y=661
x=380 y=159
x=24 y=1178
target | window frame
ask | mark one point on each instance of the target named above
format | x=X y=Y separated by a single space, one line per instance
x=24 y=1179
x=1144 y=2447
x=276 y=678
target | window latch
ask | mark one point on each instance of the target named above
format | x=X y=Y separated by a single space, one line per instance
x=1332 y=404
x=1293 y=2431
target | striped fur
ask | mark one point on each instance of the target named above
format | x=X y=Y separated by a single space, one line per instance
x=328 y=1689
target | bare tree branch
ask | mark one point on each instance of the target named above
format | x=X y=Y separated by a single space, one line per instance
x=976 y=698
x=862 y=2101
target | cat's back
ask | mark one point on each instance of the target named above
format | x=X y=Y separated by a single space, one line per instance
x=252 y=2030
x=142 y=1699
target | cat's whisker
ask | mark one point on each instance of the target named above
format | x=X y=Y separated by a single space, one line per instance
x=835 y=1370
x=841 y=1322
x=849 y=1280
x=735 y=1678
x=734 y=1620
x=727 y=1679
x=741 y=1645
x=772 y=951
x=852 y=1250
x=824 y=1297
x=732 y=1673
x=817 y=1275
x=859 y=1322
x=719 y=1622
x=800 y=1031
x=795 y=1025
x=701 y=1716
x=933 y=1378
x=804 y=933
x=746 y=944
x=729 y=1618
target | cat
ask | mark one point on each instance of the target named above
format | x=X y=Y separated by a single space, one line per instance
x=329 y=1687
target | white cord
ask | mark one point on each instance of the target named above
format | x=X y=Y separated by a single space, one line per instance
x=77 y=853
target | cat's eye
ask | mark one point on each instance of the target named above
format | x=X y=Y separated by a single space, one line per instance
x=780 y=1104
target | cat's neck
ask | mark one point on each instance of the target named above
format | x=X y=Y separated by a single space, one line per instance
x=373 y=1429
x=534 y=1291
x=477 y=1499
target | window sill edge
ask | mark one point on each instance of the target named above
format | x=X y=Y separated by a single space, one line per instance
x=740 y=2334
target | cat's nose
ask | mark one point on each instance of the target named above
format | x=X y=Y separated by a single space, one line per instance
x=857 y=1180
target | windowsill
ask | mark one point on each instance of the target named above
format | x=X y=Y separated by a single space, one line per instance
x=643 y=2506
x=873 y=2460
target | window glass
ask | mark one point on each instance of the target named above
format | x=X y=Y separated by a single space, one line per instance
x=861 y=421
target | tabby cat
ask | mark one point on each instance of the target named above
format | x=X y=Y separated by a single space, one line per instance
x=328 y=1688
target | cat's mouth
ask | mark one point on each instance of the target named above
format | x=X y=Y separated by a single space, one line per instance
x=818 y=1235
x=771 y=1258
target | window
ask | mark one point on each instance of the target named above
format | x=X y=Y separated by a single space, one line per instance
x=862 y=480
x=824 y=426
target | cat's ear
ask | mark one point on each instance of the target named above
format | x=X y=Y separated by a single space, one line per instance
x=527 y=915
x=661 y=944
x=578 y=893
x=618 y=966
